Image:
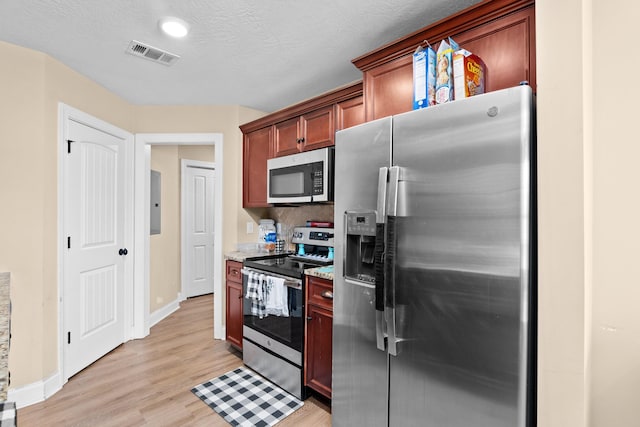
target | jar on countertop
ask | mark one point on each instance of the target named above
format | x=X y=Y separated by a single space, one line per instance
x=267 y=234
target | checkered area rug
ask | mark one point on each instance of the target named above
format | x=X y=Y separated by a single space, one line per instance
x=243 y=398
x=7 y=414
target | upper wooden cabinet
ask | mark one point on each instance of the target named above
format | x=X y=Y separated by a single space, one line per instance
x=307 y=132
x=349 y=113
x=306 y=126
x=257 y=148
x=501 y=32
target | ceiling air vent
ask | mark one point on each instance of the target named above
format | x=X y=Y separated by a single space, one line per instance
x=151 y=53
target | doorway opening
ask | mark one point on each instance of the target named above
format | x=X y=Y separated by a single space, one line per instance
x=143 y=143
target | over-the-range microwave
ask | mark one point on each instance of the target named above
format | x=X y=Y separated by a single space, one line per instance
x=301 y=178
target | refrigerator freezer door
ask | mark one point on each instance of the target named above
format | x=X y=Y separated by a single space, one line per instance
x=359 y=381
x=461 y=266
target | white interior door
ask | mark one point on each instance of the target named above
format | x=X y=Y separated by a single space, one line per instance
x=94 y=261
x=198 y=216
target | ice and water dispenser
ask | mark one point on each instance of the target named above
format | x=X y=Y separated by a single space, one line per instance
x=360 y=245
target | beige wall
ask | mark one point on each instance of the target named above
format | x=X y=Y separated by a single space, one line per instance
x=588 y=150
x=164 y=248
x=31 y=86
x=561 y=197
x=22 y=226
x=614 y=177
x=204 y=119
x=223 y=119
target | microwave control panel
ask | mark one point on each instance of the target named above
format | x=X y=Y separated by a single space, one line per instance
x=318 y=179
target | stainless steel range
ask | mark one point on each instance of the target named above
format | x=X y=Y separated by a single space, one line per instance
x=273 y=286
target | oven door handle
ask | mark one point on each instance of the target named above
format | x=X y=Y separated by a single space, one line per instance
x=291 y=282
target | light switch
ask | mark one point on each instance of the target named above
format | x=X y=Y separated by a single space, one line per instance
x=249 y=227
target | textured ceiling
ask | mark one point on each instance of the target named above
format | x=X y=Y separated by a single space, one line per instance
x=261 y=54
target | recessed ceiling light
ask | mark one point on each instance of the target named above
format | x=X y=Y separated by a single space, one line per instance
x=175 y=27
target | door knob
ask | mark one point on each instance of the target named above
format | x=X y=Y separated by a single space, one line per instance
x=123 y=251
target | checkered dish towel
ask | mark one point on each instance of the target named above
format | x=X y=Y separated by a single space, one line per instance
x=255 y=293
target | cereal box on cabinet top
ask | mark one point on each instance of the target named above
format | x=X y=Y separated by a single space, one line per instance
x=424 y=77
x=444 y=73
x=469 y=74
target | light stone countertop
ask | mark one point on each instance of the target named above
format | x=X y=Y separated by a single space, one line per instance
x=324 y=272
x=240 y=256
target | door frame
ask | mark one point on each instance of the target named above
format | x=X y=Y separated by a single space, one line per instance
x=143 y=143
x=184 y=265
x=67 y=113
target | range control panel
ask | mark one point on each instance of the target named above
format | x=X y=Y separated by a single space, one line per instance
x=313 y=236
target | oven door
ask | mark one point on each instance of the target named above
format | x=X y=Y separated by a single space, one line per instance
x=286 y=328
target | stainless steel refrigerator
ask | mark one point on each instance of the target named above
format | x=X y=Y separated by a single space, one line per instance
x=435 y=287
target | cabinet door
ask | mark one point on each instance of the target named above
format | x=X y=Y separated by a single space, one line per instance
x=389 y=88
x=507 y=48
x=318 y=349
x=257 y=149
x=234 y=314
x=318 y=128
x=349 y=113
x=287 y=137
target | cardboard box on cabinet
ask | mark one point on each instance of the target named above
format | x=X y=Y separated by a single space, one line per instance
x=469 y=74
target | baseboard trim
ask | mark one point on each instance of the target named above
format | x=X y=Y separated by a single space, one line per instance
x=165 y=311
x=40 y=391
x=36 y=392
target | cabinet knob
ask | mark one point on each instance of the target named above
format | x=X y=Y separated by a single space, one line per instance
x=309 y=318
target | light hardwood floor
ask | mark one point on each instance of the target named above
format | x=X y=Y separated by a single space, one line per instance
x=148 y=382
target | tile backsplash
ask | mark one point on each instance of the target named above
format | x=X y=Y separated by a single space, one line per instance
x=299 y=215
x=291 y=217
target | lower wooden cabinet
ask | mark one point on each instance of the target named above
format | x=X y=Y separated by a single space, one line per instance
x=234 y=318
x=319 y=335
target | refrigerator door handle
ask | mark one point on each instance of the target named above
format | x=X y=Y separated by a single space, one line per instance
x=390 y=258
x=390 y=288
x=379 y=260
x=392 y=192
x=382 y=195
x=381 y=331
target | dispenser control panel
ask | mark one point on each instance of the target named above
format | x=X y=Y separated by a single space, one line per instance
x=361 y=223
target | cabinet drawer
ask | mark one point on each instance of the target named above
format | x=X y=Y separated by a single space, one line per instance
x=234 y=273
x=320 y=292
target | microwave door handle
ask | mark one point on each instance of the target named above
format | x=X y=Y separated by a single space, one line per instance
x=379 y=260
